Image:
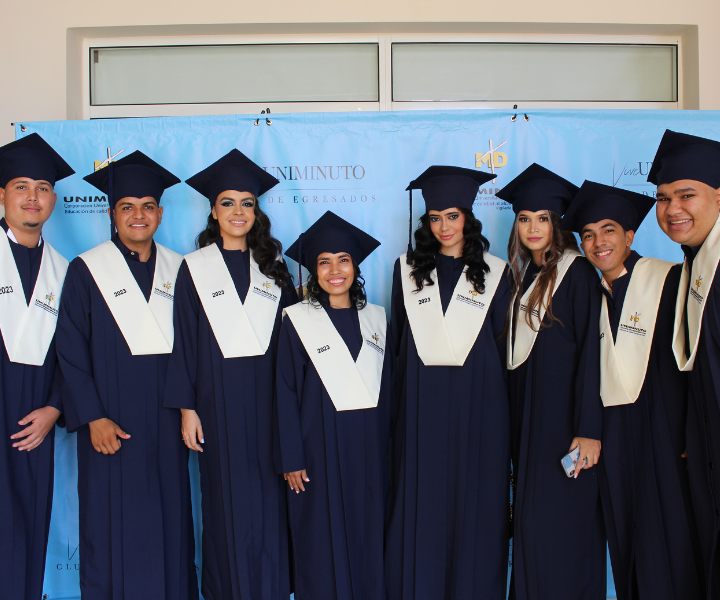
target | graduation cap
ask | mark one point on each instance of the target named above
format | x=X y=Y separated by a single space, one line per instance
x=446 y=187
x=32 y=157
x=234 y=171
x=596 y=202
x=134 y=176
x=538 y=188
x=684 y=156
x=330 y=233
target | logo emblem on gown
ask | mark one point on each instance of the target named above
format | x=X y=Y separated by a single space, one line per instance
x=375 y=343
x=165 y=293
x=47 y=303
x=695 y=293
x=634 y=326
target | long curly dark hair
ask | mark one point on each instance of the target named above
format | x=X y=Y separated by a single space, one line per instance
x=519 y=256
x=473 y=255
x=265 y=248
x=315 y=293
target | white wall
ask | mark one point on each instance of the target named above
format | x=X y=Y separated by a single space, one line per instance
x=40 y=40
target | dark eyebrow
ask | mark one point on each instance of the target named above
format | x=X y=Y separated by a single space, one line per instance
x=343 y=255
x=585 y=230
x=682 y=191
x=240 y=200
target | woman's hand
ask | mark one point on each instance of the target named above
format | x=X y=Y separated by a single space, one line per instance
x=295 y=480
x=104 y=436
x=589 y=449
x=39 y=423
x=191 y=428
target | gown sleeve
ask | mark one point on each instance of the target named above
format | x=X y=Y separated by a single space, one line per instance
x=288 y=295
x=180 y=389
x=673 y=384
x=291 y=367
x=498 y=316
x=73 y=342
x=55 y=396
x=398 y=316
x=585 y=302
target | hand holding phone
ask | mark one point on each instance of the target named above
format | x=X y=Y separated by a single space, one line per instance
x=570 y=460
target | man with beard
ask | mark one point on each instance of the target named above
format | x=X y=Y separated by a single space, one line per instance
x=31 y=278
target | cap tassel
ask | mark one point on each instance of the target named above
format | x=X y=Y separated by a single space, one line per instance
x=300 y=282
x=110 y=199
x=408 y=257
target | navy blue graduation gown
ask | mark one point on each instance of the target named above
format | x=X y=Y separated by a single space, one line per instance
x=447 y=535
x=26 y=478
x=337 y=522
x=643 y=479
x=244 y=513
x=559 y=543
x=136 y=536
x=703 y=435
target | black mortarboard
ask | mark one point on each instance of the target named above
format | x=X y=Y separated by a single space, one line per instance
x=684 y=156
x=596 y=202
x=446 y=187
x=31 y=156
x=134 y=176
x=449 y=187
x=537 y=188
x=234 y=171
x=331 y=233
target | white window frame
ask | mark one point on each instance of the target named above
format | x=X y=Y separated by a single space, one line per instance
x=385 y=103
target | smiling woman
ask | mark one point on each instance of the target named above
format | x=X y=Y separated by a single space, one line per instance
x=333 y=405
x=449 y=300
x=229 y=300
x=339 y=278
x=553 y=361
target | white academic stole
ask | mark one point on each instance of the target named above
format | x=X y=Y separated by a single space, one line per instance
x=239 y=329
x=147 y=326
x=350 y=384
x=701 y=278
x=519 y=348
x=624 y=363
x=446 y=340
x=28 y=329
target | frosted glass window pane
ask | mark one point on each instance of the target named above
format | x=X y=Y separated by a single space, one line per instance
x=241 y=73
x=534 y=72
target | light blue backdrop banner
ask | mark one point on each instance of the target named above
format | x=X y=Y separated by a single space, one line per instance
x=356 y=164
